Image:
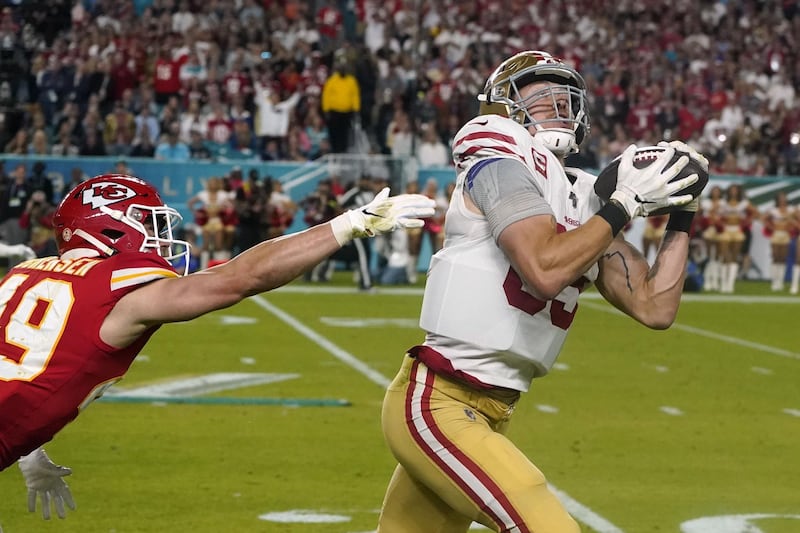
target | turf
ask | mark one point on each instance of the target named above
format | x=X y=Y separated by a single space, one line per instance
x=647 y=430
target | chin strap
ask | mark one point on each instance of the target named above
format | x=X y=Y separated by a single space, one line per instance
x=104 y=249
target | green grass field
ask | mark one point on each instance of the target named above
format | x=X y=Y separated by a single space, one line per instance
x=691 y=430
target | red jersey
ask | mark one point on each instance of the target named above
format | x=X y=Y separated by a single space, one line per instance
x=166 y=76
x=329 y=21
x=220 y=129
x=52 y=360
x=236 y=83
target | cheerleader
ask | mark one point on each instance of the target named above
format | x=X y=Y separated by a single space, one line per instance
x=778 y=223
x=711 y=228
x=736 y=215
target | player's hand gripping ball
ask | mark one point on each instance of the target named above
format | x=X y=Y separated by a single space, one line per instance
x=606 y=182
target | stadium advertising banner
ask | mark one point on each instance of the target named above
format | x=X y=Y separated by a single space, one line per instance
x=179 y=181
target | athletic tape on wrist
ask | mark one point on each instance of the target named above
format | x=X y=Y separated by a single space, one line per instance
x=680 y=221
x=615 y=215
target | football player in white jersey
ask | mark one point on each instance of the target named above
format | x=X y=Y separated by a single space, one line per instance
x=523 y=237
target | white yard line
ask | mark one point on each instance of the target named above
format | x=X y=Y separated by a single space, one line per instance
x=581 y=512
x=577 y=509
x=710 y=334
x=339 y=353
x=585 y=300
x=417 y=291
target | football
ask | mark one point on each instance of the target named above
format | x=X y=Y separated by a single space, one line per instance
x=606 y=182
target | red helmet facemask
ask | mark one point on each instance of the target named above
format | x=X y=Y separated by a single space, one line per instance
x=114 y=213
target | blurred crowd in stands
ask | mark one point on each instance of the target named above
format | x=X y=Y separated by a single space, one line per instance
x=294 y=80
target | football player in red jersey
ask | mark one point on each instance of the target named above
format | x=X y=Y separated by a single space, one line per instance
x=73 y=324
x=523 y=237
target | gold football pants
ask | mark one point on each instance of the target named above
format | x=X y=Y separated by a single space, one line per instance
x=456 y=465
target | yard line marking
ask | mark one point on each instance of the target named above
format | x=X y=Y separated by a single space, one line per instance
x=576 y=509
x=417 y=291
x=354 y=322
x=303 y=516
x=710 y=334
x=584 y=514
x=339 y=353
x=672 y=411
x=201 y=400
x=792 y=412
x=313 y=289
x=196 y=386
x=227 y=320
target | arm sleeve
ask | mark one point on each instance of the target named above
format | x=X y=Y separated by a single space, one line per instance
x=506 y=191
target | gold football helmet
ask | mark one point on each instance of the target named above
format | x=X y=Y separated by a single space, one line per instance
x=562 y=88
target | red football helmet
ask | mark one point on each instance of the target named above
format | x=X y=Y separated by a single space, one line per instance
x=115 y=213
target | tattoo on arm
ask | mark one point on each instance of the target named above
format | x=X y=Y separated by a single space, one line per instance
x=610 y=255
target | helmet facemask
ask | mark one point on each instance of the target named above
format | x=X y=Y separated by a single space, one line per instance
x=112 y=214
x=539 y=91
x=557 y=112
x=156 y=224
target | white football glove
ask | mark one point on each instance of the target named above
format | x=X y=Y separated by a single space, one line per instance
x=382 y=215
x=642 y=191
x=692 y=206
x=45 y=479
x=16 y=250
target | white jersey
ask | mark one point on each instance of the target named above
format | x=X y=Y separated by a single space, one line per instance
x=477 y=312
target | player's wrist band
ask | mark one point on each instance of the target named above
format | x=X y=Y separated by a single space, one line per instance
x=342 y=228
x=680 y=221
x=615 y=215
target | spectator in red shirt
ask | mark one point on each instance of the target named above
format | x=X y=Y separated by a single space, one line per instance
x=641 y=117
x=718 y=98
x=329 y=25
x=166 y=75
x=123 y=76
x=691 y=120
x=220 y=125
x=237 y=82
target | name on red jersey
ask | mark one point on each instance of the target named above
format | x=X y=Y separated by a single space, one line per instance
x=75 y=267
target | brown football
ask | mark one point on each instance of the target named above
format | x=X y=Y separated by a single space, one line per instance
x=606 y=182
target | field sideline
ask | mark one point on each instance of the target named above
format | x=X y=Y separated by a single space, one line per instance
x=267 y=419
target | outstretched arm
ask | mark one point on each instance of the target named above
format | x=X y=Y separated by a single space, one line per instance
x=264 y=267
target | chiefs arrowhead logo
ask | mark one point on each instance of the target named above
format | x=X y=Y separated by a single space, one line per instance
x=106 y=193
